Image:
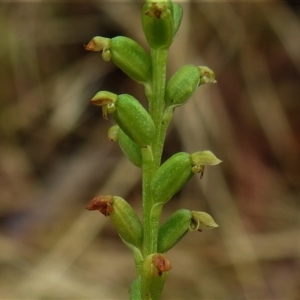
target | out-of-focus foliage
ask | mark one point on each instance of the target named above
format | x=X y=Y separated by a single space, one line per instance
x=54 y=156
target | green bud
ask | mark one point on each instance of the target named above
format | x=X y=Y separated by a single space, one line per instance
x=127 y=54
x=202 y=220
x=153 y=277
x=175 y=172
x=130 y=148
x=171 y=176
x=129 y=114
x=182 y=85
x=158 y=23
x=173 y=230
x=185 y=82
x=134 y=120
x=122 y=216
x=113 y=133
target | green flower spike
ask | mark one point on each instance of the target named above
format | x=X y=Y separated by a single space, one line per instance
x=129 y=114
x=126 y=54
x=122 y=216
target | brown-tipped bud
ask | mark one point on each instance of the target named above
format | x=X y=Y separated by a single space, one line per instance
x=101 y=203
x=153 y=277
x=122 y=216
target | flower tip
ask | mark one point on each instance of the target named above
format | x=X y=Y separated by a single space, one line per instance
x=91 y=46
x=202 y=220
x=102 y=204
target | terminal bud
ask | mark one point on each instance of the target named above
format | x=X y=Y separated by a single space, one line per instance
x=158 y=23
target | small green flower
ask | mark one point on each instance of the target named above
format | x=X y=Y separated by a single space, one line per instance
x=129 y=114
x=127 y=54
x=122 y=216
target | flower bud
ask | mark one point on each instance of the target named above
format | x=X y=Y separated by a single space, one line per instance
x=153 y=277
x=182 y=85
x=134 y=120
x=202 y=220
x=185 y=82
x=130 y=148
x=129 y=114
x=127 y=54
x=173 y=230
x=158 y=23
x=175 y=172
x=171 y=176
x=122 y=216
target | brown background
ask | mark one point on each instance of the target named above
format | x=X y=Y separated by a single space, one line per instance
x=55 y=157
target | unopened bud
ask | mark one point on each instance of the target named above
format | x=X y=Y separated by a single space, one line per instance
x=127 y=54
x=173 y=230
x=129 y=114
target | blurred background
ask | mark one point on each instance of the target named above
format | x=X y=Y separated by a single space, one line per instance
x=55 y=155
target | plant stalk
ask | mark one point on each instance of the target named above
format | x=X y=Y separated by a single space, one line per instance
x=156 y=109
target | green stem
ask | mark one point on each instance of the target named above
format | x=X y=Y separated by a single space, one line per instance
x=159 y=65
x=156 y=109
x=147 y=200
